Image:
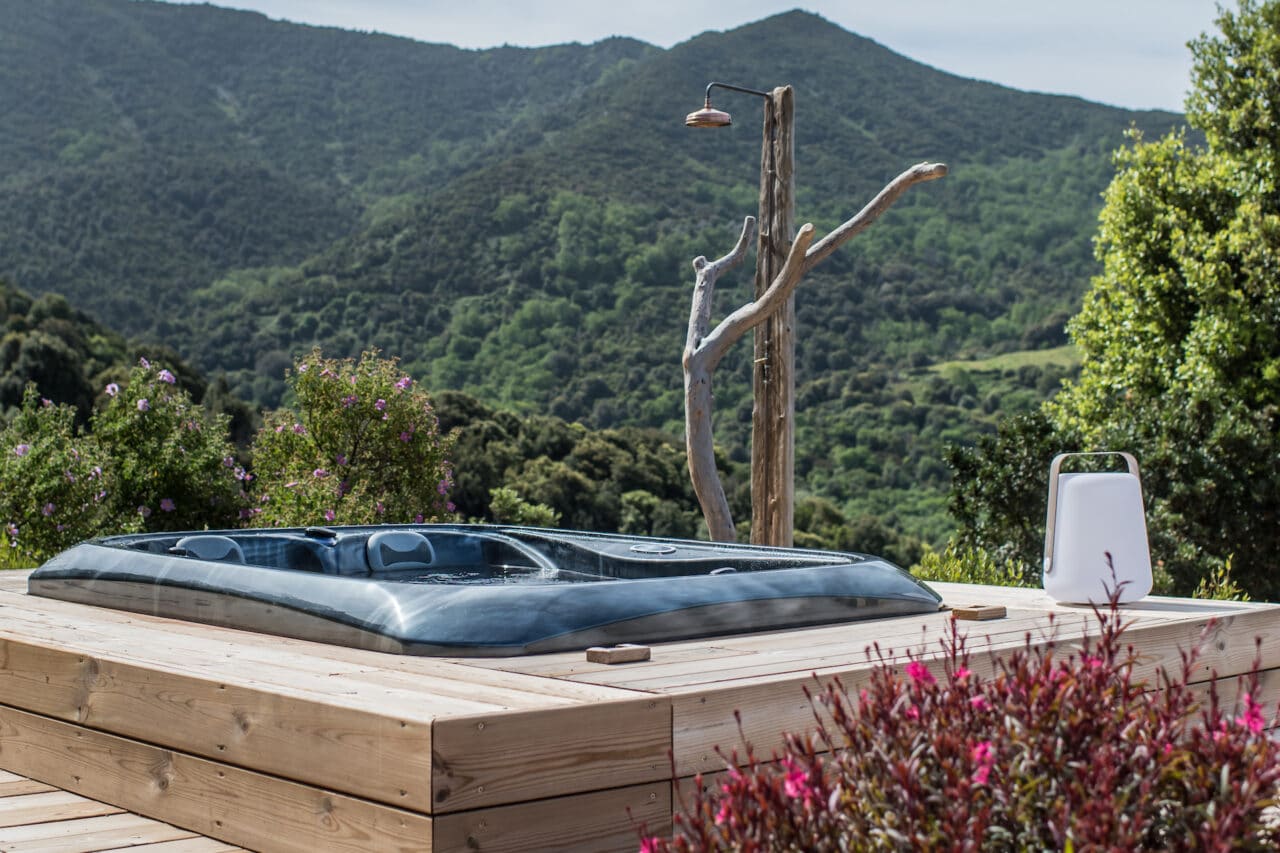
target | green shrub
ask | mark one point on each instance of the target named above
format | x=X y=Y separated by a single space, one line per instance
x=958 y=564
x=54 y=482
x=507 y=507
x=363 y=447
x=171 y=461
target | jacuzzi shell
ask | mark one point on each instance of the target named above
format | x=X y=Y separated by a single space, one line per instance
x=576 y=590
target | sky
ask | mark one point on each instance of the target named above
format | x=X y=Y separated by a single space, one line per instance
x=1127 y=53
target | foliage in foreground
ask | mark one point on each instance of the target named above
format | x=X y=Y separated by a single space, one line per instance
x=1053 y=749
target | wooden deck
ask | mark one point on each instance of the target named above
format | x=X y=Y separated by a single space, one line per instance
x=274 y=744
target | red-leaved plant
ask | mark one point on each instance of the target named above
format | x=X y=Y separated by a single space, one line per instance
x=1054 y=749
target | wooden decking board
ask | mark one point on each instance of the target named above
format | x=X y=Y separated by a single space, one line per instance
x=49 y=806
x=239 y=806
x=90 y=835
x=481 y=761
x=187 y=845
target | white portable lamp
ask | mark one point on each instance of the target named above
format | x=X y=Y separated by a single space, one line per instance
x=1096 y=534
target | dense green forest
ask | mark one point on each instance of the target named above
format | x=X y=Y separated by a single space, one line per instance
x=517 y=224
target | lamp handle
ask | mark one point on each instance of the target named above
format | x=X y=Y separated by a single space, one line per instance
x=1055 y=468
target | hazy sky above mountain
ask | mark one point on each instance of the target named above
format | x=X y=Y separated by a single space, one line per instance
x=1129 y=53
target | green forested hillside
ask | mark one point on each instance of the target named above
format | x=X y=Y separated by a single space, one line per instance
x=518 y=224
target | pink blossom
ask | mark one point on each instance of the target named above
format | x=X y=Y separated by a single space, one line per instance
x=796 y=782
x=304 y=367
x=166 y=505
x=442 y=487
x=981 y=775
x=291 y=484
x=449 y=506
x=166 y=376
x=1252 y=718
x=319 y=472
x=1091 y=661
x=146 y=365
x=724 y=815
x=229 y=461
x=349 y=401
x=417 y=519
x=913 y=713
x=380 y=404
x=920 y=673
x=379 y=508
x=651 y=844
x=22 y=450
x=342 y=459
x=329 y=515
x=143 y=405
x=984 y=756
x=112 y=389
x=299 y=429
x=404 y=436
x=404 y=383
x=962 y=673
x=279 y=427
x=979 y=703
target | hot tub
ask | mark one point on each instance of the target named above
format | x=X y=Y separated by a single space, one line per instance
x=473 y=590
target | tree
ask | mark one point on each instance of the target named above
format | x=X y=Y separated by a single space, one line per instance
x=1180 y=333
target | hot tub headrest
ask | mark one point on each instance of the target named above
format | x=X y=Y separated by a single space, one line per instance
x=209 y=547
x=399 y=549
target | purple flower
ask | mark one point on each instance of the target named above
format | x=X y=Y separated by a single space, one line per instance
x=404 y=436
x=144 y=510
x=45 y=402
x=443 y=487
x=449 y=507
x=146 y=365
x=143 y=405
x=380 y=405
x=48 y=510
x=304 y=367
x=166 y=505
x=112 y=389
x=349 y=401
x=166 y=376
x=418 y=518
x=228 y=461
x=404 y=383
x=319 y=472
x=379 y=508
x=22 y=450
x=342 y=459
x=329 y=515
x=299 y=429
x=279 y=427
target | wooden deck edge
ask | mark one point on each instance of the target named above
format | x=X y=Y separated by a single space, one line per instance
x=241 y=807
x=365 y=754
x=492 y=759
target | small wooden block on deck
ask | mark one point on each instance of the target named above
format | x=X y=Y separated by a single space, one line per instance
x=623 y=653
x=979 y=612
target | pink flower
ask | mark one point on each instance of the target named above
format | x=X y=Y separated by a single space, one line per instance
x=146 y=365
x=404 y=383
x=22 y=450
x=379 y=508
x=143 y=405
x=984 y=756
x=349 y=401
x=342 y=459
x=304 y=367
x=913 y=713
x=1091 y=661
x=962 y=673
x=979 y=703
x=652 y=844
x=166 y=376
x=166 y=505
x=329 y=515
x=1252 y=718
x=380 y=404
x=449 y=506
x=920 y=673
x=442 y=487
x=417 y=519
x=404 y=436
x=228 y=461
x=724 y=815
x=279 y=427
x=112 y=389
x=796 y=782
x=319 y=472
x=299 y=429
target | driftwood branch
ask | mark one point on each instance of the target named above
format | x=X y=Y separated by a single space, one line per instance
x=699 y=444
x=878 y=205
x=705 y=347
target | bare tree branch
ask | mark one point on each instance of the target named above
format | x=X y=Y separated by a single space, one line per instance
x=878 y=205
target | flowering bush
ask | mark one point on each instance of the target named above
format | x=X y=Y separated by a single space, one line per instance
x=364 y=447
x=53 y=485
x=166 y=454
x=1052 y=751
